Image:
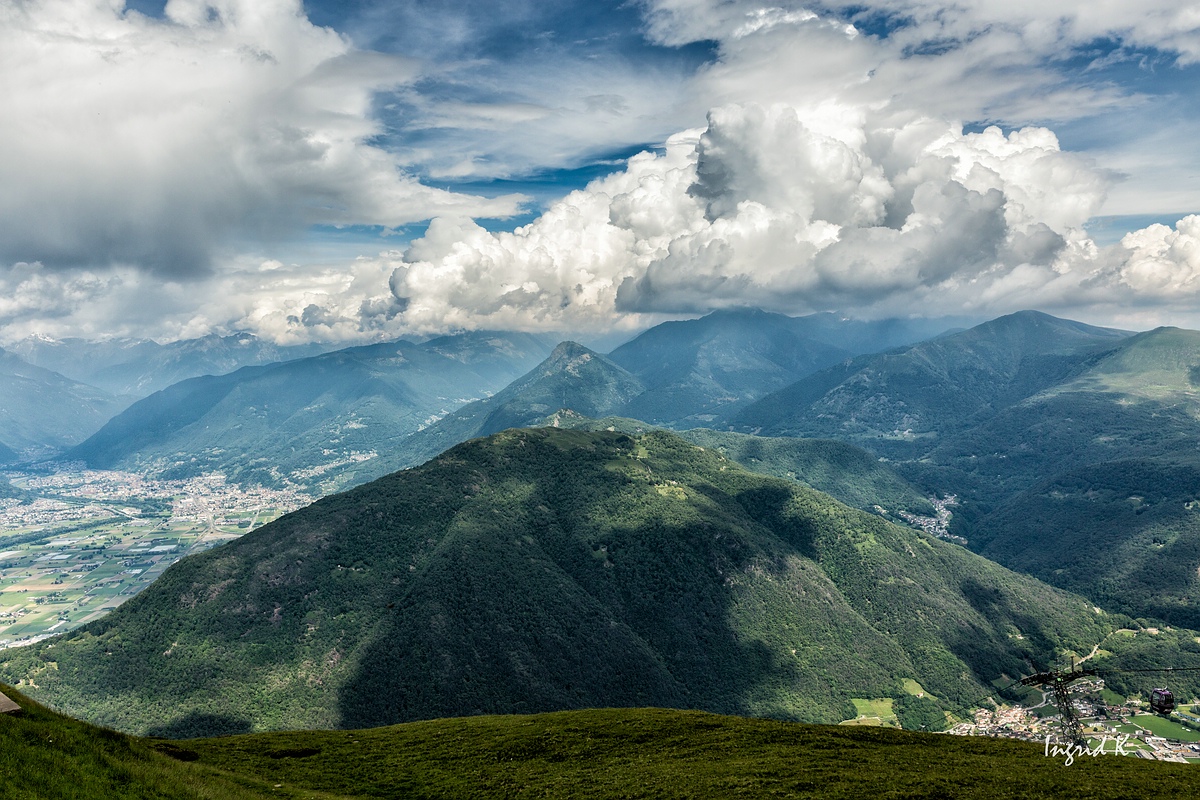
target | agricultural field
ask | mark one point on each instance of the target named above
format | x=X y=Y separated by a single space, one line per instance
x=1167 y=728
x=874 y=712
x=76 y=544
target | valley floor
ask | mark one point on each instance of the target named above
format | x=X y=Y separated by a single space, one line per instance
x=81 y=542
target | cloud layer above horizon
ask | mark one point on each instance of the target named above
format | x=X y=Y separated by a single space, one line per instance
x=827 y=156
x=161 y=144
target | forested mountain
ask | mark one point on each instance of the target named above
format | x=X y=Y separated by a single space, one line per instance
x=572 y=377
x=551 y=569
x=850 y=474
x=1073 y=450
x=139 y=367
x=697 y=372
x=905 y=401
x=1117 y=510
x=42 y=411
x=316 y=422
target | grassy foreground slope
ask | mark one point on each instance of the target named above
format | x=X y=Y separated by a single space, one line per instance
x=45 y=755
x=632 y=753
x=546 y=569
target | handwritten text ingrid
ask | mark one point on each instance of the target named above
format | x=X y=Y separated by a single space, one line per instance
x=1070 y=751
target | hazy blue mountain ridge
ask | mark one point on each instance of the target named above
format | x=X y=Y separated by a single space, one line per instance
x=572 y=377
x=307 y=426
x=42 y=411
x=316 y=422
x=900 y=400
x=702 y=371
x=140 y=367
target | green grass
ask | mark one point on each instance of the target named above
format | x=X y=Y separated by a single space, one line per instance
x=47 y=755
x=655 y=753
x=879 y=711
x=1166 y=728
x=630 y=753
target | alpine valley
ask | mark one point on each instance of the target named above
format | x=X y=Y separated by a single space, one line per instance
x=545 y=569
x=811 y=519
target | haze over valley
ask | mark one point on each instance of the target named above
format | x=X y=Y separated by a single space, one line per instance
x=692 y=398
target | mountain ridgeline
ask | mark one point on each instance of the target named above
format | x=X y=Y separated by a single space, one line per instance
x=42 y=411
x=318 y=422
x=898 y=401
x=701 y=372
x=547 y=569
x=345 y=416
x=139 y=367
x=1073 y=450
x=848 y=473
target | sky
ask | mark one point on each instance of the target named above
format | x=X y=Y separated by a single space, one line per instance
x=363 y=170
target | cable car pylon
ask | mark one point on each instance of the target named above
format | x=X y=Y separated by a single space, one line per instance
x=1059 y=682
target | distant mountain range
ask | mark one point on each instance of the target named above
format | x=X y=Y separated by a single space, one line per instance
x=683 y=372
x=553 y=569
x=901 y=401
x=139 y=367
x=701 y=372
x=1027 y=419
x=1074 y=450
x=315 y=422
x=42 y=411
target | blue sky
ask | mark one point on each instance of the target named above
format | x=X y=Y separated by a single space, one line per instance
x=177 y=168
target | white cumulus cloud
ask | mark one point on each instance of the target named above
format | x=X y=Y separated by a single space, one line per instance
x=764 y=209
x=156 y=143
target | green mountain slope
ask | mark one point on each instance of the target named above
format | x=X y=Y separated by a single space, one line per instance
x=318 y=423
x=1076 y=463
x=46 y=756
x=551 y=569
x=899 y=403
x=852 y=475
x=582 y=754
x=1127 y=532
x=848 y=473
x=1162 y=365
x=1117 y=452
x=703 y=370
x=43 y=411
x=572 y=377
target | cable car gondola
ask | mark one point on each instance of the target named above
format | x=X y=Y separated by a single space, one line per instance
x=1162 y=701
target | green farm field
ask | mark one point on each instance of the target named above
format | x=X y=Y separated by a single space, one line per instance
x=54 y=584
x=1167 y=728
